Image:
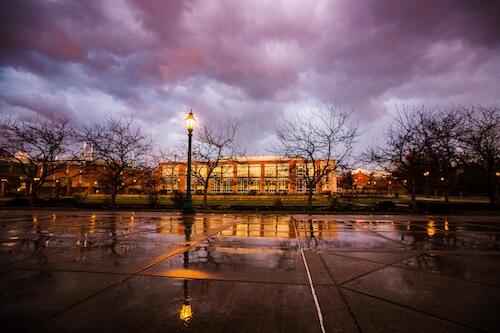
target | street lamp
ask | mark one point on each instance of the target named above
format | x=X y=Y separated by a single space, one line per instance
x=190 y=123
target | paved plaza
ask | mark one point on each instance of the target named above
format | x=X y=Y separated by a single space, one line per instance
x=66 y=271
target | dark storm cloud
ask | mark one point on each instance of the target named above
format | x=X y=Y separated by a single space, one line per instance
x=254 y=60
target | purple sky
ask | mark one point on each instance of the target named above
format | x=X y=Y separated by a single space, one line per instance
x=255 y=60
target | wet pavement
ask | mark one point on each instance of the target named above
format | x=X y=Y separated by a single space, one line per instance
x=163 y=272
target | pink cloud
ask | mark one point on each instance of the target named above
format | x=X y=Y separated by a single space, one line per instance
x=254 y=58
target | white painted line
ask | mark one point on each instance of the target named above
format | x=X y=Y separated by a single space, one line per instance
x=313 y=292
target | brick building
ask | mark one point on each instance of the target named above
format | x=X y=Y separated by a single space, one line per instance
x=257 y=174
x=245 y=175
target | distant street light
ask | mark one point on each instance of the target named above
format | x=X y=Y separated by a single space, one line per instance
x=190 y=124
x=426 y=175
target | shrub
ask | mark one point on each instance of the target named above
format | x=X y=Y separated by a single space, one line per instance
x=68 y=201
x=278 y=203
x=16 y=202
x=107 y=201
x=78 y=197
x=153 y=198
x=334 y=203
x=385 y=205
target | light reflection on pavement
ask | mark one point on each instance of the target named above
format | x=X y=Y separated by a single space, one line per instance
x=155 y=271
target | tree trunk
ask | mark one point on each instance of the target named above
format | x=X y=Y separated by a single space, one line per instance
x=32 y=196
x=27 y=194
x=493 y=190
x=496 y=199
x=112 y=202
x=31 y=192
x=492 y=186
x=309 y=198
x=205 y=194
x=413 y=198
x=68 y=186
x=446 y=195
x=491 y=197
x=494 y=195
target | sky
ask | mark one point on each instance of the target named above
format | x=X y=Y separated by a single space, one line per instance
x=255 y=61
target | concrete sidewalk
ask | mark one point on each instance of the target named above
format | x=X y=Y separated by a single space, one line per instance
x=152 y=272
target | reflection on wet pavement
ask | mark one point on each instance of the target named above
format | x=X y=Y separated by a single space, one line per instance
x=155 y=271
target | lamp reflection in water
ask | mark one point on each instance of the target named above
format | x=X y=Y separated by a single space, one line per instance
x=186 y=311
x=431 y=230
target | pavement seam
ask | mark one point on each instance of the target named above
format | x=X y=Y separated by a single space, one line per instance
x=398 y=264
x=313 y=292
x=61 y=270
x=341 y=254
x=125 y=278
x=370 y=272
x=413 y=309
x=340 y=292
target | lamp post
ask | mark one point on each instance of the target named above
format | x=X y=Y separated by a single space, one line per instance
x=190 y=122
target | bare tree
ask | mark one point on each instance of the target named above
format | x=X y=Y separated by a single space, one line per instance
x=120 y=153
x=403 y=153
x=481 y=139
x=154 y=173
x=212 y=145
x=346 y=181
x=440 y=131
x=37 y=145
x=321 y=141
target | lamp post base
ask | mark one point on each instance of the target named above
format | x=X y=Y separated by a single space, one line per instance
x=188 y=207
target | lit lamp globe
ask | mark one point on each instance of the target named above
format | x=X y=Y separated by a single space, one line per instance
x=190 y=121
